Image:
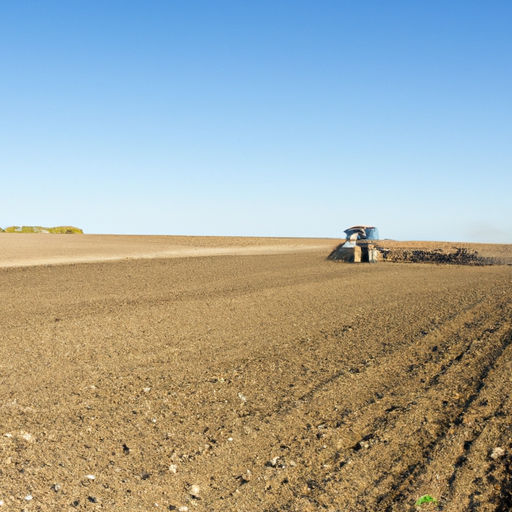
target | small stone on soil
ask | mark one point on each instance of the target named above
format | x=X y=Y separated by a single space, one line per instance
x=28 y=437
x=194 y=491
x=497 y=453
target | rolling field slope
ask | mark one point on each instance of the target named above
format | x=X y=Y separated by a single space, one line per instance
x=243 y=382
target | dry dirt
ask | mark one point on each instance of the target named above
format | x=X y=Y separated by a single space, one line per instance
x=27 y=249
x=272 y=382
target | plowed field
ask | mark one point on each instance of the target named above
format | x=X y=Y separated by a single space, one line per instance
x=255 y=382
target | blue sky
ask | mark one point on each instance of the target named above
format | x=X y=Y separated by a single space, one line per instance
x=258 y=118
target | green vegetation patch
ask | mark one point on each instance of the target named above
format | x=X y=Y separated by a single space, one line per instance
x=426 y=499
x=65 y=230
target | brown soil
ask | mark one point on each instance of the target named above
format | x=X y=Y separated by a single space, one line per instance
x=27 y=249
x=273 y=382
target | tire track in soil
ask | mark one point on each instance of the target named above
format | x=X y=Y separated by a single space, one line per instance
x=407 y=479
x=395 y=500
x=477 y=481
x=284 y=408
x=381 y=423
x=468 y=321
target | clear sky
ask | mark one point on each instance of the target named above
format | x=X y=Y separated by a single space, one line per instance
x=256 y=117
